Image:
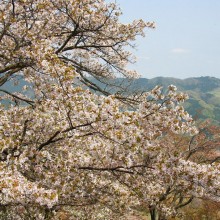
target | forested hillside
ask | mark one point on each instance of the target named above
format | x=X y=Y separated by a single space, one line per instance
x=204 y=92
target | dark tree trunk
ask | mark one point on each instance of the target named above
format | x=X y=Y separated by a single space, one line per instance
x=153 y=213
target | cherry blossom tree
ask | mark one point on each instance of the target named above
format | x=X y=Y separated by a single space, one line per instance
x=69 y=153
x=202 y=148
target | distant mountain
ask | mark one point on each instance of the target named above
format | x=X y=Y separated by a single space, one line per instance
x=200 y=84
x=204 y=92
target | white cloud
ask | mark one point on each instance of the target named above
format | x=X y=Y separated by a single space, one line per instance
x=179 y=50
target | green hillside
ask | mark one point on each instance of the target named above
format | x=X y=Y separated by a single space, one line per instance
x=204 y=92
x=204 y=95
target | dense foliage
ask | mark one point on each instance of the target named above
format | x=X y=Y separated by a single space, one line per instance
x=66 y=152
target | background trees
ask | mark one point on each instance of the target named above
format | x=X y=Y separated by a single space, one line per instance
x=66 y=151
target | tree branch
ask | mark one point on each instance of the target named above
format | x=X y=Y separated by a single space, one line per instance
x=185 y=203
x=17 y=97
x=52 y=138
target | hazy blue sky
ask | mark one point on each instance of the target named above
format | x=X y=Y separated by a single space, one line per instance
x=186 y=42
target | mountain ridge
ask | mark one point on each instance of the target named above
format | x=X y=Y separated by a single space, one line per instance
x=204 y=92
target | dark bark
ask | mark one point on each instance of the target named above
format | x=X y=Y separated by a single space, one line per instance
x=153 y=213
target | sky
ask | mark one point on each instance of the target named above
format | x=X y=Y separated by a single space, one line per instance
x=186 y=41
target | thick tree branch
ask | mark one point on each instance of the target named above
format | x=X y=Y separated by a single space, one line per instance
x=121 y=169
x=52 y=138
x=185 y=203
